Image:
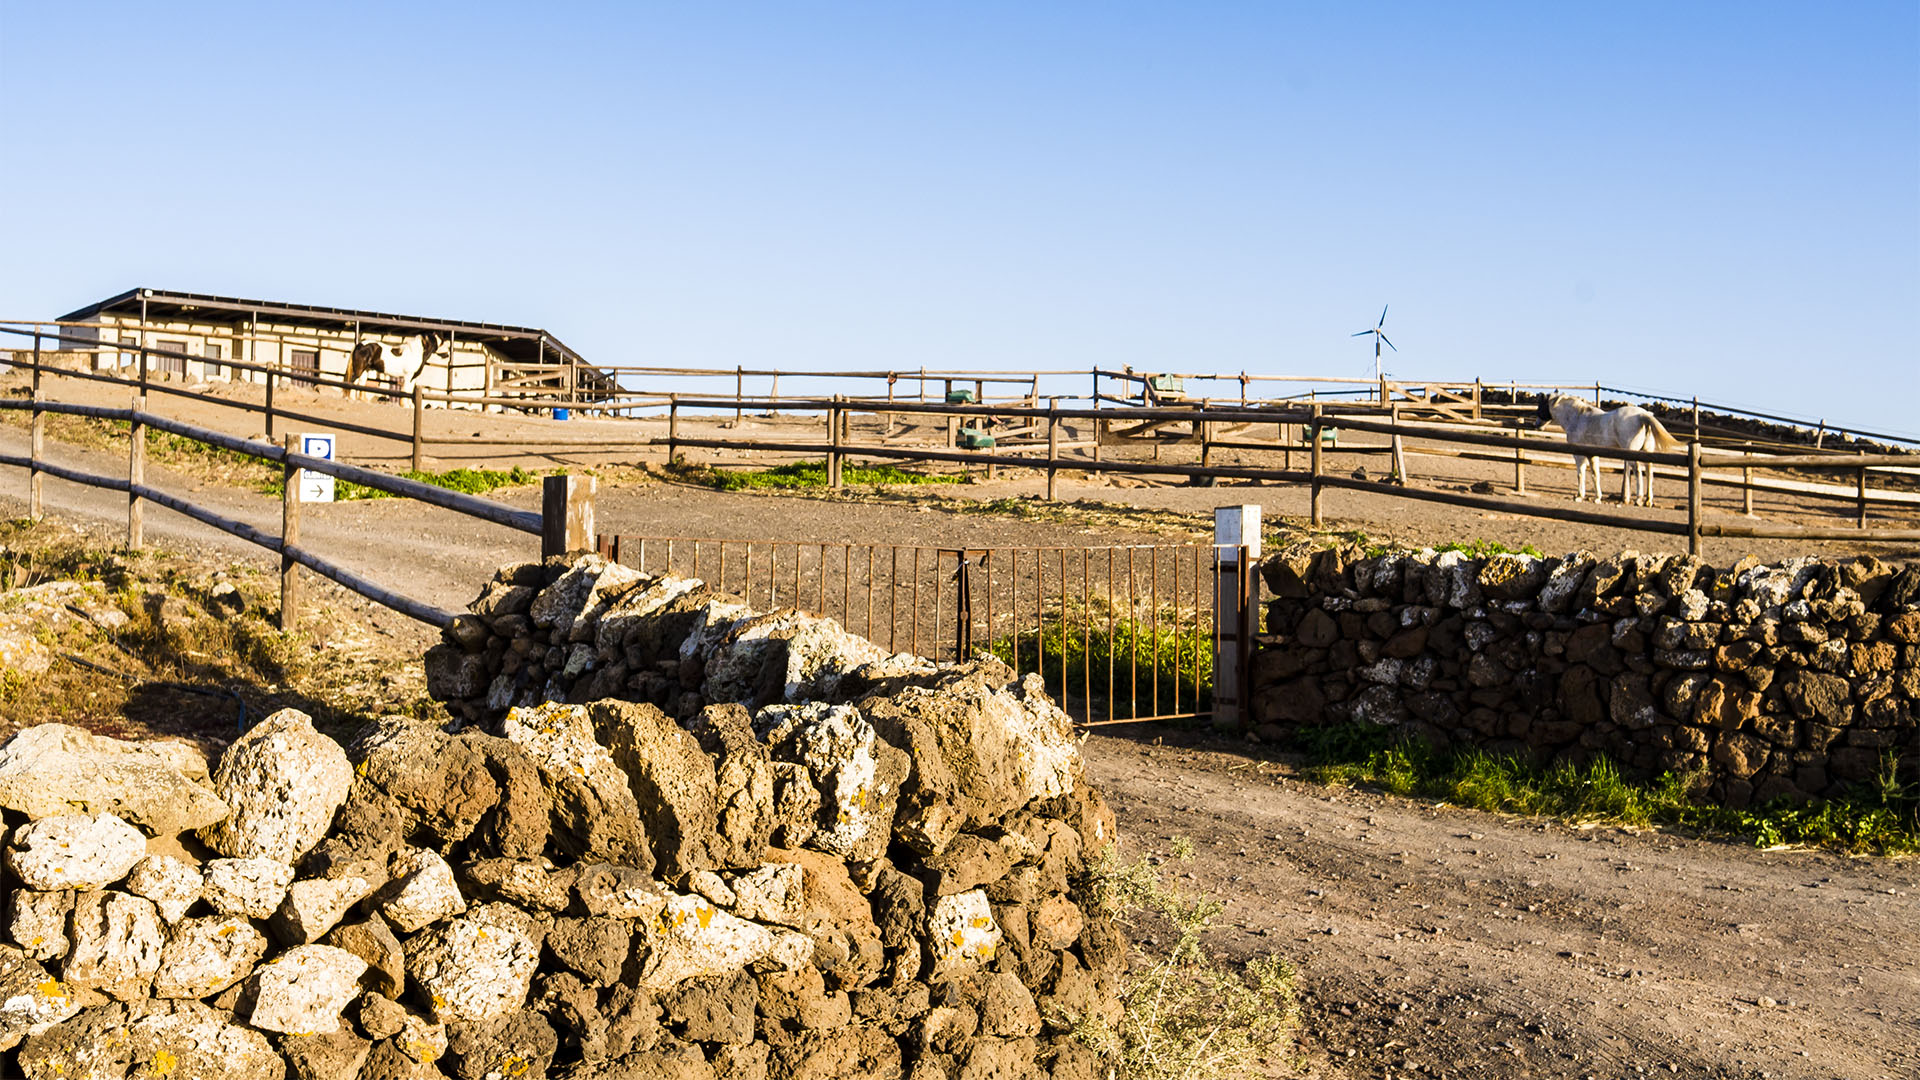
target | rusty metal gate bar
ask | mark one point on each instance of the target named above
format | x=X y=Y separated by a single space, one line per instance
x=1083 y=638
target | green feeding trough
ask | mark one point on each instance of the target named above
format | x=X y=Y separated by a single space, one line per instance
x=959 y=397
x=1167 y=384
x=974 y=439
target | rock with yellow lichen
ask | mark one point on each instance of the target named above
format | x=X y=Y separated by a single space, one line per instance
x=175 y=1040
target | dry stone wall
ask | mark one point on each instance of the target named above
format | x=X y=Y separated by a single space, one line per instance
x=1794 y=680
x=792 y=857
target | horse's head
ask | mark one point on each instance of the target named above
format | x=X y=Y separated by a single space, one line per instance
x=1545 y=411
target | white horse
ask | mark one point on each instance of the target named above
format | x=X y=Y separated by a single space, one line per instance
x=1627 y=428
x=405 y=360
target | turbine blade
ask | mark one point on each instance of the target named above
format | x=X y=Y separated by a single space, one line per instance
x=1383 y=315
x=1390 y=345
x=1362 y=333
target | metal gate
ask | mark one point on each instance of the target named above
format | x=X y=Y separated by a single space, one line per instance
x=1119 y=634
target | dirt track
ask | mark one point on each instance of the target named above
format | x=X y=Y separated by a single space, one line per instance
x=1434 y=942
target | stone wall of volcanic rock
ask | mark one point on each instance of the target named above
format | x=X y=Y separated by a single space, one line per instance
x=1784 y=680
x=793 y=857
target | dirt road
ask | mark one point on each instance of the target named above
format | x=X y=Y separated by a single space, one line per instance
x=1443 y=942
x=1434 y=942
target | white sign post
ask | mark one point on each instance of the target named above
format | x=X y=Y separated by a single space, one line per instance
x=1236 y=609
x=316 y=486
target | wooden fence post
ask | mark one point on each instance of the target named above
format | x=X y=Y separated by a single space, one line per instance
x=673 y=427
x=1746 y=488
x=1399 y=448
x=419 y=429
x=1519 y=459
x=833 y=443
x=1476 y=397
x=1693 y=497
x=291 y=478
x=1053 y=445
x=35 y=482
x=271 y=372
x=739 y=392
x=1313 y=501
x=566 y=514
x=136 y=475
x=1860 y=497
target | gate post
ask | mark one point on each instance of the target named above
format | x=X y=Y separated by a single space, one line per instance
x=1236 y=607
x=566 y=514
x=291 y=481
x=136 y=475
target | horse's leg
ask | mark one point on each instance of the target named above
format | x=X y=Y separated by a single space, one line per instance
x=1580 y=470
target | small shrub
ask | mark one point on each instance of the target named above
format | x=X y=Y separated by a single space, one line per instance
x=804 y=474
x=1187 y=1016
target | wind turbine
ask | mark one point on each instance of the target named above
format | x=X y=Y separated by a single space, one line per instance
x=1379 y=336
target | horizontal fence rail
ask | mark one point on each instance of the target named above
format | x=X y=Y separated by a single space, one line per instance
x=1465 y=420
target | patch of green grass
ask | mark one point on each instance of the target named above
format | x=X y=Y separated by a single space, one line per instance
x=1880 y=817
x=1185 y=1015
x=805 y=474
x=468 y=481
x=1487 y=549
x=1141 y=657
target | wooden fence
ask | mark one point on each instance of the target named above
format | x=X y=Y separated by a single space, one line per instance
x=1464 y=424
x=565 y=523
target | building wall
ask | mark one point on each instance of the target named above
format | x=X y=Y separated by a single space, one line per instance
x=273 y=344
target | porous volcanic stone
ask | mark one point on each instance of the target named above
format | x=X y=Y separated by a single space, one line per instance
x=205 y=956
x=478 y=966
x=283 y=780
x=595 y=816
x=180 y=1040
x=172 y=884
x=52 y=770
x=374 y=942
x=694 y=938
x=37 y=922
x=439 y=786
x=671 y=778
x=857 y=773
x=117 y=942
x=304 y=990
x=423 y=891
x=314 y=906
x=250 y=887
x=961 y=933
x=31 y=1000
x=75 y=851
x=743 y=784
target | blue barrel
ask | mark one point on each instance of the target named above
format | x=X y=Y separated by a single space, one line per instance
x=563 y=414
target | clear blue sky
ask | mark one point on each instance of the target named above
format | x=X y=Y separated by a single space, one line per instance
x=1721 y=199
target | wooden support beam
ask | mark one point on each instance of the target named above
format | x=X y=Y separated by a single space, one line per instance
x=566 y=515
x=136 y=475
x=290 y=476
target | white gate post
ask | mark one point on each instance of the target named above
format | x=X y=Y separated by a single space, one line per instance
x=1236 y=609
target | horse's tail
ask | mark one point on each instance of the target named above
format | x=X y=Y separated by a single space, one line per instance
x=1663 y=440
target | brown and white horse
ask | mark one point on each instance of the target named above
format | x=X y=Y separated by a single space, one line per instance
x=403 y=362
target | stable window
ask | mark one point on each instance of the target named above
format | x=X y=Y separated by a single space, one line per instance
x=212 y=366
x=306 y=361
x=127 y=359
x=171 y=365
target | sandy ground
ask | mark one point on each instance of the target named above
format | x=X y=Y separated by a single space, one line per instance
x=1433 y=941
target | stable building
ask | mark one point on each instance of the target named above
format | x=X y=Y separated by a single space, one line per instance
x=476 y=359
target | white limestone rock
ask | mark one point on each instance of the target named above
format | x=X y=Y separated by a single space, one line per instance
x=962 y=933
x=314 y=906
x=284 y=782
x=117 y=943
x=37 y=922
x=172 y=884
x=424 y=891
x=51 y=770
x=250 y=887
x=31 y=1000
x=814 y=654
x=206 y=955
x=477 y=966
x=75 y=851
x=304 y=990
x=695 y=938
